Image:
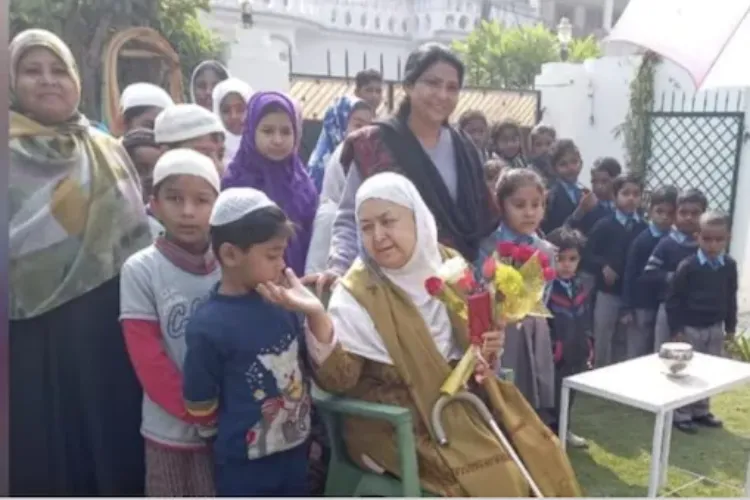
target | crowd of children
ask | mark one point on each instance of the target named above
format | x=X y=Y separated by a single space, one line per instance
x=627 y=281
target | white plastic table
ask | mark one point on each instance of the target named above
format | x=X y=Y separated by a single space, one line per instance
x=642 y=383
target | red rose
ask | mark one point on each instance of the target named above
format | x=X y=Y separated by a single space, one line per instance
x=549 y=274
x=251 y=436
x=466 y=282
x=524 y=253
x=434 y=286
x=506 y=249
x=543 y=259
x=489 y=267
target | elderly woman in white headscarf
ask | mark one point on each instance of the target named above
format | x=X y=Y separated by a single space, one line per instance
x=394 y=343
x=76 y=215
x=230 y=105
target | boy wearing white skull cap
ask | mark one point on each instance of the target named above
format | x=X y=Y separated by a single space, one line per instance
x=247 y=350
x=160 y=288
x=193 y=127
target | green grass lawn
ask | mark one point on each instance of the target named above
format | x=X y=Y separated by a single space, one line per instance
x=617 y=462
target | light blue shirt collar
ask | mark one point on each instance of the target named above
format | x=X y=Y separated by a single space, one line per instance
x=714 y=263
x=680 y=237
x=624 y=218
x=504 y=233
x=655 y=231
x=607 y=204
x=567 y=285
x=572 y=189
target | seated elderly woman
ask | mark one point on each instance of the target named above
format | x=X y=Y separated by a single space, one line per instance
x=393 y=343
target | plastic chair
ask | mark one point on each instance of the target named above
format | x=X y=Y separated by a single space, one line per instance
x=347 y=479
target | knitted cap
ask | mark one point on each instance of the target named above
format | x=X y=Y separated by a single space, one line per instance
x=183 y=161
x=183 y=122
x=235 y=203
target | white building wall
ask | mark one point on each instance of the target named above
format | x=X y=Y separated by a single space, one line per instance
x=310 y=29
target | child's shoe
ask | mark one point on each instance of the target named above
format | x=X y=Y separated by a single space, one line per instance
x=576 y=441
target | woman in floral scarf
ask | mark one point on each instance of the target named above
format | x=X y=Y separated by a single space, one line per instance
x=75 y=216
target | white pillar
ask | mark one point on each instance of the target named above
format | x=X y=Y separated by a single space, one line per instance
x=547 y=12
x=609 y=12
x=579 y=19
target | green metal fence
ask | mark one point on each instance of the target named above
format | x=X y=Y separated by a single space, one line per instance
x=696 y=149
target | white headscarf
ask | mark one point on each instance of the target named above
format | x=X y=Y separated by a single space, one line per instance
x=356 y=333
x=210 y=63
x=222 y=90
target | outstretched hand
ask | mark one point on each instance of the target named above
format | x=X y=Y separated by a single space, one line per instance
x=322 y=281
x=291 y=294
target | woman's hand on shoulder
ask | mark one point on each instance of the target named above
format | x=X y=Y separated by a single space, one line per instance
x=323 y=281
x=292 y=295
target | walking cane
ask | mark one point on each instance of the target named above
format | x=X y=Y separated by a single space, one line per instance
x=452 y=391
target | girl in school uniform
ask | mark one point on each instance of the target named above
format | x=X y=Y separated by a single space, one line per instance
x=528 y=348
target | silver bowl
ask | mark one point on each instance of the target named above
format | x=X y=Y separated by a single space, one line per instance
x=676 y=356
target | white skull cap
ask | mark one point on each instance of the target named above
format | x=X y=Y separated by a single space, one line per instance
x=183 y=161
x=183 y=122
x=235 y=203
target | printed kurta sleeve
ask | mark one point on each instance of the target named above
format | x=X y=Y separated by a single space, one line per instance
x=355 y=341
x=202 y=370
x=317 y=350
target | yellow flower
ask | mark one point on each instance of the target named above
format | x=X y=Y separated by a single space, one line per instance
x=508 y=281
x=259 y=395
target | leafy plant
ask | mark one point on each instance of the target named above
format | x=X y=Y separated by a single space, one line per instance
x=739 y=348
x=497 y=55
x=635 y=129
x=87 y=25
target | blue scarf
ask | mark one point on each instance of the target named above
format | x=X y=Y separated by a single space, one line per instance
x=335 y=122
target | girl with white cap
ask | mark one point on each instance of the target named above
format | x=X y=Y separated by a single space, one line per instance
x=230 y=105
x=140 y=103
x=160 y=287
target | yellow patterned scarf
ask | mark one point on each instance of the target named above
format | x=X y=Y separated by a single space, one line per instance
x=75 y=208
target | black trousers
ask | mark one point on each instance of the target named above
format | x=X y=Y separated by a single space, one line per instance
x=562 y=370
x=75 y=403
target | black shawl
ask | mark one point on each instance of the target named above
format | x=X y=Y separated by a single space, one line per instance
x=461 y=224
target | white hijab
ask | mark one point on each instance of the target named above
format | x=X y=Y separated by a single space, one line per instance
x=222 y=90
x=357 y=334
x=210 y=63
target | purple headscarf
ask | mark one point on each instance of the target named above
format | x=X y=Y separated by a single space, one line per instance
x=286 y=182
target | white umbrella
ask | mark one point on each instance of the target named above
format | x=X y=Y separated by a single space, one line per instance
x=710 y=39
